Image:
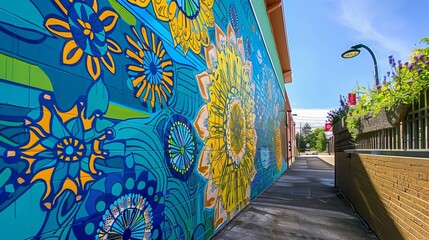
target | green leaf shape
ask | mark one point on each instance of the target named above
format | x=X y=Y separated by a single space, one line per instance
x=18 y=71
x=124 y=13
x=117 y=111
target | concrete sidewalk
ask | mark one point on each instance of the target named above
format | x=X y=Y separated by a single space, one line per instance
x=302 y=204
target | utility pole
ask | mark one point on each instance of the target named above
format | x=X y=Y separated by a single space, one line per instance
x=299 y=140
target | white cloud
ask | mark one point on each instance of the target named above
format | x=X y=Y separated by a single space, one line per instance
x=365 y=16
x=315 y=117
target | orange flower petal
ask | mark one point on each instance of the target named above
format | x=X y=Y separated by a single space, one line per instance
x=61 y=6
x=134 y=44
x=107 y=15
x=144 y=34
x=108 y=62
x=163 y=94
x=82 y=23
x=136 y=34
x=58 y=27
x=153 y=42
x=158 y=91
x=134 y=56
x=138 y=80
x=158 y=49
x=45 y=176
x=113 y=46
x=93 y=66
x=67 y=184
x=166 y=63
x=72 y=53
x=168 y=88
x=135 y=68
x=149 y=87
x=140 y=91
x=95 y=6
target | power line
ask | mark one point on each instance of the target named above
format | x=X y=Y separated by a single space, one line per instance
x=309 y=117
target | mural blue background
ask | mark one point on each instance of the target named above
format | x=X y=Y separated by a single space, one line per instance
x=121 y=119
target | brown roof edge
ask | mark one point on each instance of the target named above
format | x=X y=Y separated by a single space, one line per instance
x=287 y=76
x=288 y=108
x=276 y=16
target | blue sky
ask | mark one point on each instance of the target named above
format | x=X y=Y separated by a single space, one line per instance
x=320 y=30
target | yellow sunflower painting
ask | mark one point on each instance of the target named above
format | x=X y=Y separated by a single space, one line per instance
x=86 y=30
x=226 y=124
x=278 y=141
x=189 y=20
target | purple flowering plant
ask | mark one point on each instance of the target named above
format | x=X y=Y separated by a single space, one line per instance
x=403 y=84
x=335 y=115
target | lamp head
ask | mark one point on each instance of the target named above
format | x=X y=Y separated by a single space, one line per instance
x=351 y=53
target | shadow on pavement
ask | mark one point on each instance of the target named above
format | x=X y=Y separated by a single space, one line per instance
x=302 y=204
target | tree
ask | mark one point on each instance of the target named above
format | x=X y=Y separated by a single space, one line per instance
x=306 y=129
x=302 y=137
x=319 y=140
x=316 y=138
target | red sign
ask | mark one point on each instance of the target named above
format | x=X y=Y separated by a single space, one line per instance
x=328 y=127
x=352 y=99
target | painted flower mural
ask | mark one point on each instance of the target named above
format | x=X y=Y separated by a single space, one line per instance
x=151 y=72
x=189 y=20
x=278 y=148
x=180 y=147
x=226 y=124
x=127 y=205
x=129 y=217
x=100 y=109
x=61 y=151
x=86 y=30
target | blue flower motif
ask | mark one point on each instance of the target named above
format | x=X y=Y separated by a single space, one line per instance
x=87 y=29
x=124 y=205
x=61 y=151
x=129 y=217
x=180 y=147
x=151 y=72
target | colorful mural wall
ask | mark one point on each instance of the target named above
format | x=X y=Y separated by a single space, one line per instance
x=138 y=119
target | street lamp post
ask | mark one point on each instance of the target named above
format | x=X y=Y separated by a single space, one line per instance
x=354 y=51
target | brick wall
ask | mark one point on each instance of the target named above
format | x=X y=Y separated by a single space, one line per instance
x=390 y=193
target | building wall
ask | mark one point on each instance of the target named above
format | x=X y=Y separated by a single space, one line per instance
x=139 y=118
x=390 y=193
